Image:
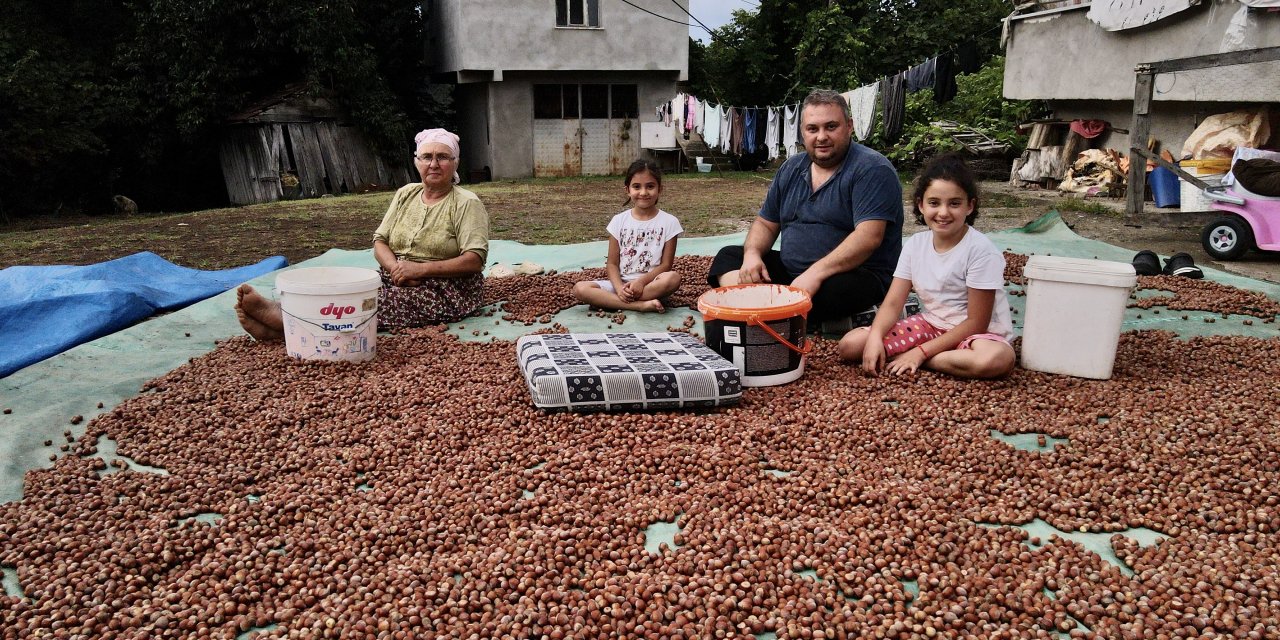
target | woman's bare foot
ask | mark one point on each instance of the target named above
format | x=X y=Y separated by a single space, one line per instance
x=260 y=317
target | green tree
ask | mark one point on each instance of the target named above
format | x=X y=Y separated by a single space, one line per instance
x=54 y=101
x=784 y=48
x=130 y=96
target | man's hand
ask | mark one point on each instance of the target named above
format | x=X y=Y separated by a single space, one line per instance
x=753 y=270
x=809 y=282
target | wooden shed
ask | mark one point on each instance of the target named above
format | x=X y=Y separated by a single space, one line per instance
x=292 y=145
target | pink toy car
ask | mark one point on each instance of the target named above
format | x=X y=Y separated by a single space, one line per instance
x=1252 y=222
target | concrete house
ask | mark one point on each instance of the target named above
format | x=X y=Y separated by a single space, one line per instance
x=556 y=87
x=1081 y=57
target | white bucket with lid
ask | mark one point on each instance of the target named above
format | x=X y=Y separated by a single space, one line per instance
x=330 y=313
x=1075 y=307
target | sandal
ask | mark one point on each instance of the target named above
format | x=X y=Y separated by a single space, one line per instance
x=1147 y=263
x=1181 y=264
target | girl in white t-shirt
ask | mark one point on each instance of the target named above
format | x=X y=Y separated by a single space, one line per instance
x=642 y=248
x=964 y=328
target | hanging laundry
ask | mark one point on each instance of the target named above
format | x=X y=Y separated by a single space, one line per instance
x=772 y=132
x=749 y=115
x=848 y=100
x=677 y=111
x=944 y=79
x=967 y=60
x=711 y=125
x=762 y=117
x=893 y=91
x=1089 y=128
x=862 y=106
x=726 y=128
x=920 y=77
x=695 y=111
x=736 y=132
x=791 y=129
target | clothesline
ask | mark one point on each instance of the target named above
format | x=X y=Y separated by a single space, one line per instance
x=739 y=130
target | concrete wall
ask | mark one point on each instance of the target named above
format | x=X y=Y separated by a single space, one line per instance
x=1064 y=56
x=509 y=111
x=500 y=36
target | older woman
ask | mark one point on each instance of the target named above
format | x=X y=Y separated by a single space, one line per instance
x=431 y=247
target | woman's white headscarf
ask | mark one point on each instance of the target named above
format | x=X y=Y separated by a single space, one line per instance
x=440 y=136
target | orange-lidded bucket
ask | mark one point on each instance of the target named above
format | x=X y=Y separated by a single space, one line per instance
x=760 y=328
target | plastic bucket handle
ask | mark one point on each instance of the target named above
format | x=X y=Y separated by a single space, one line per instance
x=804 y=350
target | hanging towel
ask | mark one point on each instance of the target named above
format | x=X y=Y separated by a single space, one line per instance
x=862 y=103
x=772 y=132
x=894 y=98
x=711 y=126
x=791 y=129
x=848 y=100
x=749 y=117
x=920 y=77
x=736 y=132
x=726 y=128
x=695 y=110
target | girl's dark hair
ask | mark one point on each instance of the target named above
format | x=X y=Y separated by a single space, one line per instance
x=641 y=165
x=949 y=167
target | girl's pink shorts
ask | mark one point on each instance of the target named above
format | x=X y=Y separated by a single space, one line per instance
x=915 y=330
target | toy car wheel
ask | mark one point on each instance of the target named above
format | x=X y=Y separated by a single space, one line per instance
x=1227 y=238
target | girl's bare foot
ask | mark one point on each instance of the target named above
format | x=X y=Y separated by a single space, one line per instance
x=654 y=305
x=260 y=317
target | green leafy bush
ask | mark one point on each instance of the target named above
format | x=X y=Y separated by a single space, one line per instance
x=979 y=104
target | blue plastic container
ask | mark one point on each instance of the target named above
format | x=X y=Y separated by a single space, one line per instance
x=1165 y=189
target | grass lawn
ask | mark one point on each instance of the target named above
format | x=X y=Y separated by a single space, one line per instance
x=534 y=211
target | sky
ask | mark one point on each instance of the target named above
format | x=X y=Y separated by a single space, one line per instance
x=715 y=13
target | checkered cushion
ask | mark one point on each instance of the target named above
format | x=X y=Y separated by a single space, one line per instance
x=625 y=371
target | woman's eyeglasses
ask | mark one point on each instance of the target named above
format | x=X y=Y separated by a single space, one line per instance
x=440 y=158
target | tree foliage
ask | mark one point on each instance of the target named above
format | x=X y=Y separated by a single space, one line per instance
x=778 y=53
x=784 y=48
x=129 y=96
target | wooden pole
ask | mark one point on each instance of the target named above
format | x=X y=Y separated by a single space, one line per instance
x=1144 y=85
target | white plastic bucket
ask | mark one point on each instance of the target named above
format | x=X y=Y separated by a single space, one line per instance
x=1193 y=198
x=1074 y=311
x=760 y=329
x=330 y=313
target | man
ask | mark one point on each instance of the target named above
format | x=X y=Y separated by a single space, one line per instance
x=839 y=210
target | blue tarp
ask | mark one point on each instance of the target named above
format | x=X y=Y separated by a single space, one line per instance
x=47 y=310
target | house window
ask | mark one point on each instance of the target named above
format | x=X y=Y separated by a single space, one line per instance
x=592 y=101
x=624 y=103
x=577 y=13
x=595 y=101
x=546 y=102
